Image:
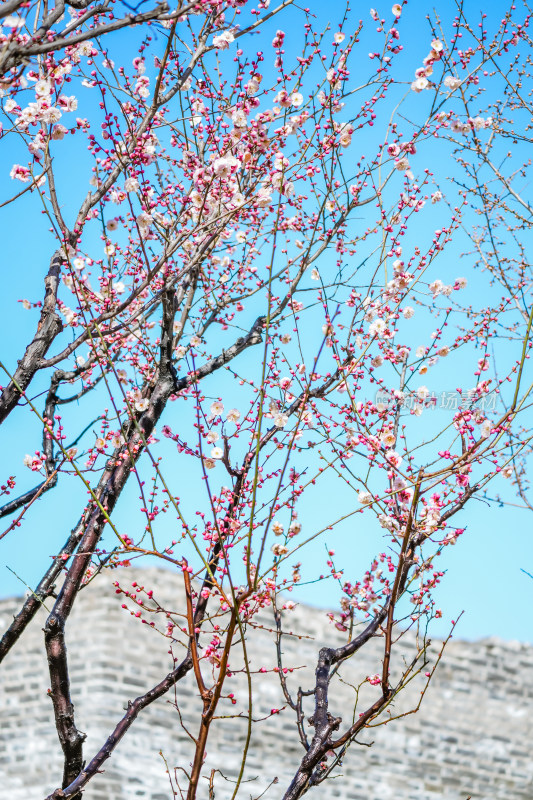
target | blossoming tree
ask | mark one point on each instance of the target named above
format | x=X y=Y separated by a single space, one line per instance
x=253 y=303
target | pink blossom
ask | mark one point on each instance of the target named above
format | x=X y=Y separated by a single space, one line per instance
x=20 y=173
x=223 y=40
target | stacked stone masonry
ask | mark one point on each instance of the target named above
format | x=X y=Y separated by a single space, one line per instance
x=471 y=737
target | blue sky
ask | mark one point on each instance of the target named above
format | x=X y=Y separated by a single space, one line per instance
x=484 y=570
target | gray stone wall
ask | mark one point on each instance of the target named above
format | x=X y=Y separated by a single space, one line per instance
x=471 y=737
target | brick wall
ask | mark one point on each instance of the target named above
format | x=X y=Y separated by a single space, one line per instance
x=472 y=736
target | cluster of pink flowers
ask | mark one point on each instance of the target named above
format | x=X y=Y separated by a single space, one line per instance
x=424 y=73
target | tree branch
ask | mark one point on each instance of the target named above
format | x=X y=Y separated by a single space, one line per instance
x=48 y=328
